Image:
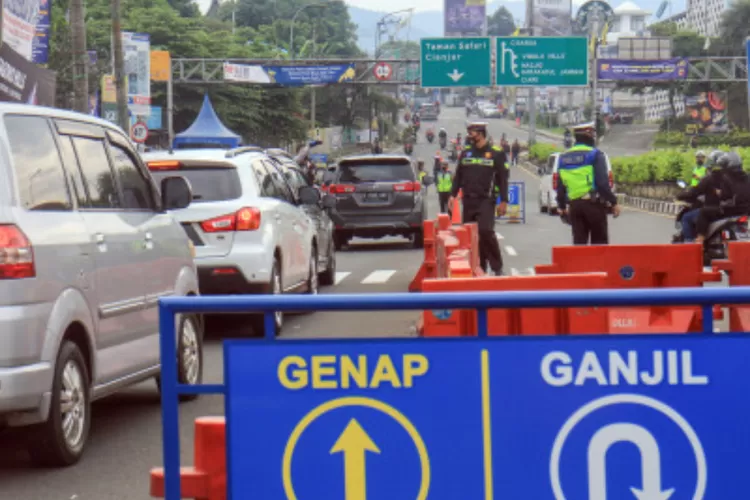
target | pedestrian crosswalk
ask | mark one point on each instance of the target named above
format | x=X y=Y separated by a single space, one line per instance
x=385 y=276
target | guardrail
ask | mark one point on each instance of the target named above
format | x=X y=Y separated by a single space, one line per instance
x=705 y=298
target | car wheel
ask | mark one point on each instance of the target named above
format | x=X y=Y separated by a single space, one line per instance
x=189 y=355
x=60 y=441
x=312 y=279
x=274 y=288
x=418 y=239
x=328 y=277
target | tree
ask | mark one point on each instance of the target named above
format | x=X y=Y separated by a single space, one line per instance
x=501 y=23
x=80 y=56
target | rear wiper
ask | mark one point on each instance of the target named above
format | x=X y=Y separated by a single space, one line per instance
x=197 y=196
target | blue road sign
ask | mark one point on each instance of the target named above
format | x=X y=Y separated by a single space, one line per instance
x=516 y=202
x=597 y=418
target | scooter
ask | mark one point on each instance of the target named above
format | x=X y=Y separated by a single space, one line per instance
x=454 y=151
x=719 y=233
x=430 y=136
x=443 y=142
x=408 y=148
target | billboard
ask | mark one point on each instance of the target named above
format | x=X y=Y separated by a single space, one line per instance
x=136 y=48
x=615 y=69
x=23 y=81
x=26 y=26
x=289 y=76
x=707 y=113
x=465 y=17
x=551 y=17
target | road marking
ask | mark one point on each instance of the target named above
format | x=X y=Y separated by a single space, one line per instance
x=378 y=277
x=511 y=251
x=499 y=236
x=529 y=271
x=514 y=272
x=532 y=271
x=340 y=276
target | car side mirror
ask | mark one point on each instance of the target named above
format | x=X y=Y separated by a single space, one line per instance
x=309 y=195
x=176 y=193
x=682 y=184
x=329 y=202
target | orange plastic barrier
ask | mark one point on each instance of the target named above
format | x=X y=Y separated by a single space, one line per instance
x=640 y=266
x=737 y=267
x=428 y=268
x=553 y=321
x=456 y=214
x=207 y=479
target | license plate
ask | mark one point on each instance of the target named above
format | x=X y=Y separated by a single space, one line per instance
x=376 y=196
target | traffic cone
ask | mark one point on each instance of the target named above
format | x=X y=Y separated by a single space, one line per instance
x=455 y=210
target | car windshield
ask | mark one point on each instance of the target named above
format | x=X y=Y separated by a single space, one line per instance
x=354 y=173
x=209 y=184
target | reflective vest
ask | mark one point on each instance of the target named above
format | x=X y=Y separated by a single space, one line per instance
x=422 y=173
x=577 y=170
x=699 y=172
x=445 y=182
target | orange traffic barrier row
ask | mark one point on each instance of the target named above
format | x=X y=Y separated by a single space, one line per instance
x=207 y=479
x=592 y=267
x=449 y=250
x=737 y=267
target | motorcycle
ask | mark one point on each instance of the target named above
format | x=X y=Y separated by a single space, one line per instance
x=443 y=142
x=430 y=136
x=719 y=233
x=454 y=150
x=408 y=148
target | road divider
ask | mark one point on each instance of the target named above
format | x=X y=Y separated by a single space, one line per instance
x=737 y=268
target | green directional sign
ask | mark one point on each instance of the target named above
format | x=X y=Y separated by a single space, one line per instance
x=542 y=61
x=456 y=62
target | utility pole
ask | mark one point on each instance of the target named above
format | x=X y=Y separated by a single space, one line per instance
x=80 y=57
x=119 y=62
x=532 y=90
x=313 y=92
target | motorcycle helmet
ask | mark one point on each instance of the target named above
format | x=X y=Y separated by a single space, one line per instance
x=730 y=161
x=714 y=156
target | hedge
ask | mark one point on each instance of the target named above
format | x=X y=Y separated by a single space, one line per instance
x=736 y=139
x=663 y=165
x=539 y=152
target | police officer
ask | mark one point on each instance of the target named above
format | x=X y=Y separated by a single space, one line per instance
x=444 y=182
x=583 y=193
x=699 y=171
x=480 y=168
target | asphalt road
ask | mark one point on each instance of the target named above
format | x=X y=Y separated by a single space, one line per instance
x=126 y=430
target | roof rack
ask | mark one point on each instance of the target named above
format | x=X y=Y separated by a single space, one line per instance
x=242 y=150
x=280 y=152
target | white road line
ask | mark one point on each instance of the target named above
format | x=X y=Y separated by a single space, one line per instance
x=515 y=272
x=511 y=251
x=532 y=271
x=340 y=276
x=378 y=277
x=499 y=236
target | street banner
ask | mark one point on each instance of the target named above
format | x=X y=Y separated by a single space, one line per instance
x=23 y=81
x=290 y=76
x=136 y=49
x=465 y=17
x=668 y=69
x=25 y=27
x=707 y=113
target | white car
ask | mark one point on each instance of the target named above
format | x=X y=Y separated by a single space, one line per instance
x=250 y=231
x=548 y=179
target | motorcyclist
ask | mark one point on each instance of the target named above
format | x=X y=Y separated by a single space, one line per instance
x=734 y=193
x=376 y=148
x=420 y=170
x=430 y=134
x=699 y=171
x=438 y=160
x=708 y=188
x=443 y=137
x=304 y=151
x=567 y=139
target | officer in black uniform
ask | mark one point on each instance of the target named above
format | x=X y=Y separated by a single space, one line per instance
x=583 y=193
x=480 y=169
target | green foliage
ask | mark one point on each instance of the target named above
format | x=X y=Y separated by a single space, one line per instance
x=736 y=138
x=663 y=165
x=539 y=152
x=501 y=23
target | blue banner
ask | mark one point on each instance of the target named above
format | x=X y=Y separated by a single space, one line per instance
x=40 y=44
x=668 y=69
x=310 y=75
x=153 y=121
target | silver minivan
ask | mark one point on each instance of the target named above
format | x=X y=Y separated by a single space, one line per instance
x=87 y=248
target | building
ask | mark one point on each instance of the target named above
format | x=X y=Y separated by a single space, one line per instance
x=704 y=16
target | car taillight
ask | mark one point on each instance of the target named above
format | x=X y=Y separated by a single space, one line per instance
x=16 y=254
x=611 y=180
x=743 y=219
x=406 y=187
x=245 y=219
x=554 y=181
x=341 y=188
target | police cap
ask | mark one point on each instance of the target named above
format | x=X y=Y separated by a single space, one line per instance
x=585 y=129
x=479 y=126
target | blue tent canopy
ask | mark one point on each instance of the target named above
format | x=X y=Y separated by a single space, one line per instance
x=207 y=131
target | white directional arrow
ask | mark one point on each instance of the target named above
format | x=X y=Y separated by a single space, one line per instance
x=455 y=76
x=650 y=461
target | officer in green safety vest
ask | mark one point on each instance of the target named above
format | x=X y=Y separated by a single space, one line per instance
x=444 y=182
x=699 y=171
x=584 y=196
x=480 y=168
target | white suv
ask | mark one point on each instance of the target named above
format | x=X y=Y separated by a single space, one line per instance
x=249 y=230
x=549 y=178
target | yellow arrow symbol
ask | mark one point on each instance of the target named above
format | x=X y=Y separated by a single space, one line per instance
x=353 y=443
